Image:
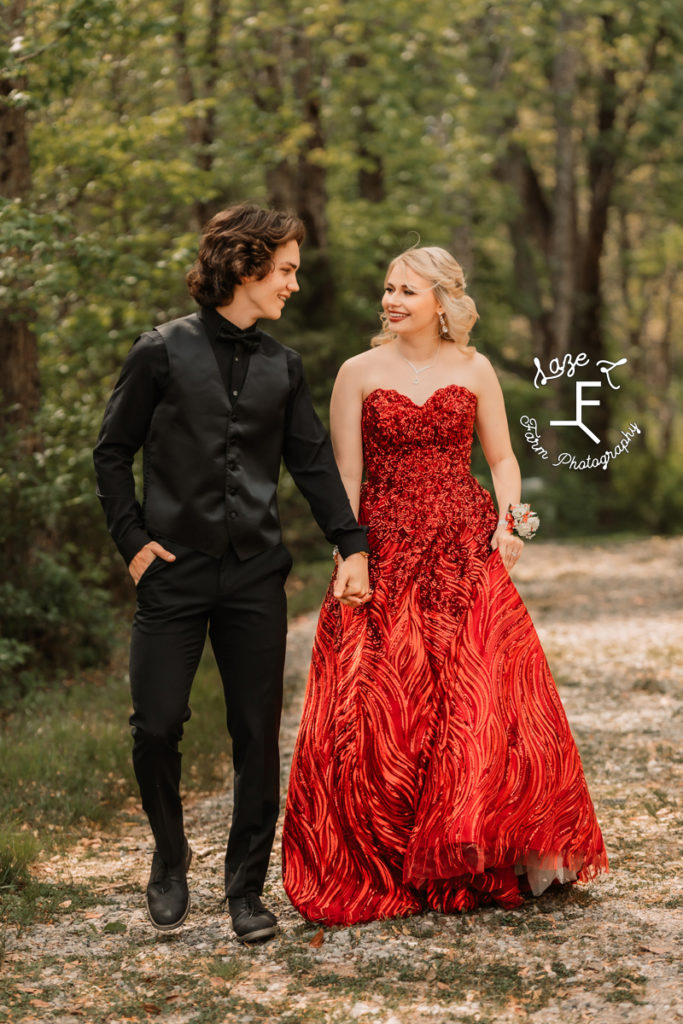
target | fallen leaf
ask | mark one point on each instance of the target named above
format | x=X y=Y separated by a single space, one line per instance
x=39 y=1002
x=66 y=903
x=317 y=939
x=653 y=947
x=152 y=1009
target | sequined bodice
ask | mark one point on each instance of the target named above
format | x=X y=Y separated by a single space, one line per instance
x=417 y=463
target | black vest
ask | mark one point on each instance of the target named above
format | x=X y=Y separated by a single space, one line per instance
x=210 y=467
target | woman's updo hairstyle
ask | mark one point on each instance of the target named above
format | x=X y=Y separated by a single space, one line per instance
x=239 y=242
x=447 y=279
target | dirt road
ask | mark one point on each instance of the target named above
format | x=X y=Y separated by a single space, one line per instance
x=611 y=624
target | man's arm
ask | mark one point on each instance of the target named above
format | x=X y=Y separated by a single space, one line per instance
x=124 y=428
x=310 y=459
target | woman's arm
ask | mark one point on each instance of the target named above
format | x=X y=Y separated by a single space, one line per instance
x=346 y=407
x=494 y=435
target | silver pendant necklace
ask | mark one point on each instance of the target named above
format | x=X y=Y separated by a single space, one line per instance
x=417 y=370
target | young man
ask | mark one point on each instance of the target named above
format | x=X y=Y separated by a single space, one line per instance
x=216 y=403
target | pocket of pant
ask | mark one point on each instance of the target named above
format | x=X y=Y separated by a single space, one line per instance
x=151 y=568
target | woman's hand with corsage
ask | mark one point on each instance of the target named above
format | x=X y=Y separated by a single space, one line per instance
x=520 y=523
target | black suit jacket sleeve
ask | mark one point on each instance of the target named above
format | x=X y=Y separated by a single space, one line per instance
x=124 y=429
x=309 y=457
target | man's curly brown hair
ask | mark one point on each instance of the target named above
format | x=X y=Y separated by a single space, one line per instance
x=239 y=242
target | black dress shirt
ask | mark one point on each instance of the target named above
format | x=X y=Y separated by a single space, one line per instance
x=142 y=382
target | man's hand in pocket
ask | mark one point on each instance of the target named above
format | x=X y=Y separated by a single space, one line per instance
x=145 y=557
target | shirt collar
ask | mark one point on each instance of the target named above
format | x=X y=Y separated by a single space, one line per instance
x=219 y=328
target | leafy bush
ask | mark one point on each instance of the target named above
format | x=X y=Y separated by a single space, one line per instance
x=51 y=622
x=54 y=610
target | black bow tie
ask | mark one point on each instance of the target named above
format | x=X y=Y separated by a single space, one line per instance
x=251 y=338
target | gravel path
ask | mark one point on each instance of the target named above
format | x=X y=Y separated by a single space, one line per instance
x=610 y=620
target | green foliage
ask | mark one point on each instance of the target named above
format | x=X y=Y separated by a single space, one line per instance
x=141 y=124
x=54 y=612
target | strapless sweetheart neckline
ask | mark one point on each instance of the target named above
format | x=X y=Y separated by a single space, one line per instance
x=419 y=405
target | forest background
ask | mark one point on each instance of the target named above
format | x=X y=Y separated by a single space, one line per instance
x=536 y=140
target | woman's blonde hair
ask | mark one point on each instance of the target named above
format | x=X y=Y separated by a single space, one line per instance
x=448 y=281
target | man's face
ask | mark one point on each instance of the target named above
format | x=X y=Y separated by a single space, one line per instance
x=266 y=298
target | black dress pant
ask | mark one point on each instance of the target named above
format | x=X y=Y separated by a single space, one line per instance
x=244 y=606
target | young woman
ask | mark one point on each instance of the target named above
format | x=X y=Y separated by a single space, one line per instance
x=434 y=766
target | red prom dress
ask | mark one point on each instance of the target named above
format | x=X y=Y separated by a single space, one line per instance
x=434 y=766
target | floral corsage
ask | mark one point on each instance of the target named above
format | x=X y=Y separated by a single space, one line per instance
x=521 y=521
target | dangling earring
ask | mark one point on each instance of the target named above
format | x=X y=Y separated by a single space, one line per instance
x=443 y=326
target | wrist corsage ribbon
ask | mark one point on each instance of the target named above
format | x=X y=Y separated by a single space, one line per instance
x=521 y=521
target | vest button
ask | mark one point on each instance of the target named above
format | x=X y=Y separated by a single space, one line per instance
x=233 y=515
x=234 y=417
x=232 y=490
x=232 y=465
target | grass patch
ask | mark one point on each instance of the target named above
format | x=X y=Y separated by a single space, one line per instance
x=627 y=987
x=229 y=969
x=43 y=901
x=17 y=850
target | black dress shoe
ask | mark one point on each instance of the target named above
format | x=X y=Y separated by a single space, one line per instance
x=168 y=898
x=250 y=919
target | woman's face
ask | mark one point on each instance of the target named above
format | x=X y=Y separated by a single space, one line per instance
x=409 y=302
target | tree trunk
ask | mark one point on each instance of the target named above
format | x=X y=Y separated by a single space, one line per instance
x=302 y=186
x=529 y=234
x=587 y=326
x=371 y=183
x=201 y=126
x=19 y=382
x=563 y=234
x=318 y=297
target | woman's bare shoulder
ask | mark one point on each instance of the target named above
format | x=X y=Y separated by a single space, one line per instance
x=482 y=368
x=356 y=367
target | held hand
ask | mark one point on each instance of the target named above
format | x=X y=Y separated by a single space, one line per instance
x=352 y=586
x=510 y=547
x=145 y=557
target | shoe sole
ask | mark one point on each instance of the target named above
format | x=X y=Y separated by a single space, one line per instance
x=260 y=933
x=175 y=924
